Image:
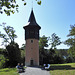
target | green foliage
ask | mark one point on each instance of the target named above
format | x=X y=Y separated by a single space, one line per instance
x=3 y=57
x=71 y=52
x=43 y=43
x=22 y=49
x=10 y=6
x=69 y=59
x=22 y=56
x=49 y=56
x=53 y=57
x=22 y=53
x=55 y=40
x=9 y=34
x=13 y=51
x=14 y=54
x=62 y=52
x=2 y=61
x=71 y=42
x=72 y=30
x=9 y=71
x=4 y=52
x=39 y=2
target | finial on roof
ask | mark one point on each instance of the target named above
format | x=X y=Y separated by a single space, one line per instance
x=32 y=4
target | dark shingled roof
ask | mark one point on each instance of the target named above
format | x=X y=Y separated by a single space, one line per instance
x=32 y=21
x=32 y=18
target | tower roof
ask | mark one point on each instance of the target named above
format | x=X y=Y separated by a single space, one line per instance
x=32 y=21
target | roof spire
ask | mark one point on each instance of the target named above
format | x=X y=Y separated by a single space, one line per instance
x=32 y=19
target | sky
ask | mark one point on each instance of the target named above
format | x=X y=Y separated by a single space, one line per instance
x=54 y=16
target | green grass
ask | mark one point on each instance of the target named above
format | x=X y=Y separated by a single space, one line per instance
x=8 y=71
x=62 y=69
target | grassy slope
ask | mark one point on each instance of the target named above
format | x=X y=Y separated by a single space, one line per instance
x=62 y=69
x=8 y=71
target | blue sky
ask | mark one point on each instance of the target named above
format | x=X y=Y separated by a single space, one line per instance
x=54 y=16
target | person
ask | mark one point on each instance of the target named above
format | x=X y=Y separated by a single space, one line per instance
x=18 y=66
x=44 y=66
x=22 y=67
x=48 y=67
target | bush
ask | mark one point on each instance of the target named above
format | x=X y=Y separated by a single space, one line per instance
x=2 y=61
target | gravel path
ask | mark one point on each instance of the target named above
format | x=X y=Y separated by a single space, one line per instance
x=35 y=71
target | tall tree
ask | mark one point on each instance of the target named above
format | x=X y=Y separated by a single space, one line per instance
x=71 y=41
x=9 y=35
x=55 y=41
x=13 y=50
x=43 y=43
x=14 y=54
x=11 y=6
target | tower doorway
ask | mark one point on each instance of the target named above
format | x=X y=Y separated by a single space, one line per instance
x=31 y=62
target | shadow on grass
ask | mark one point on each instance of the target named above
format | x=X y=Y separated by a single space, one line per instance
x=64 y=67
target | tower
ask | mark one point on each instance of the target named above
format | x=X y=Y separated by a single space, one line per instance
x=32 y=41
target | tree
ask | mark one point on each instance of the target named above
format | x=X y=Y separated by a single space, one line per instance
x=55 y=40
x=48 y=56
x=14 y=54
x=9 y=35
x=71 y=41
x=52 y=55
x=10 y=6
x=43 y=43
x=72 y=31
x=2 y=61
x=13 y=50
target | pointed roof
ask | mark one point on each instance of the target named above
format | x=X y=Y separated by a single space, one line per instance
x=32 y=21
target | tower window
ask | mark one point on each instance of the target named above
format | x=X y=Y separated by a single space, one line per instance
x=31 y=41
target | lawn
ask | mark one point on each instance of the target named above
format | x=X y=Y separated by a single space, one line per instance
x=62 y=69
x=8 y=71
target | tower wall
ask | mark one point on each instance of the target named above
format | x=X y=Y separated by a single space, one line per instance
x=32 y=52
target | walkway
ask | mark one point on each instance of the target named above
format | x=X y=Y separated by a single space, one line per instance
x=35 y=71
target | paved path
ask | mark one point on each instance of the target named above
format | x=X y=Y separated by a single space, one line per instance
x=35 y=71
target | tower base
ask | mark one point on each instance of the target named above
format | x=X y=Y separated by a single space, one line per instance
x=32 y=52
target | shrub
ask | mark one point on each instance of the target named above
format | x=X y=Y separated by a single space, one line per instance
x=2 y=61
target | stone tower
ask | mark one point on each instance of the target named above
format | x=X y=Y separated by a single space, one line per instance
x=32 y=41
